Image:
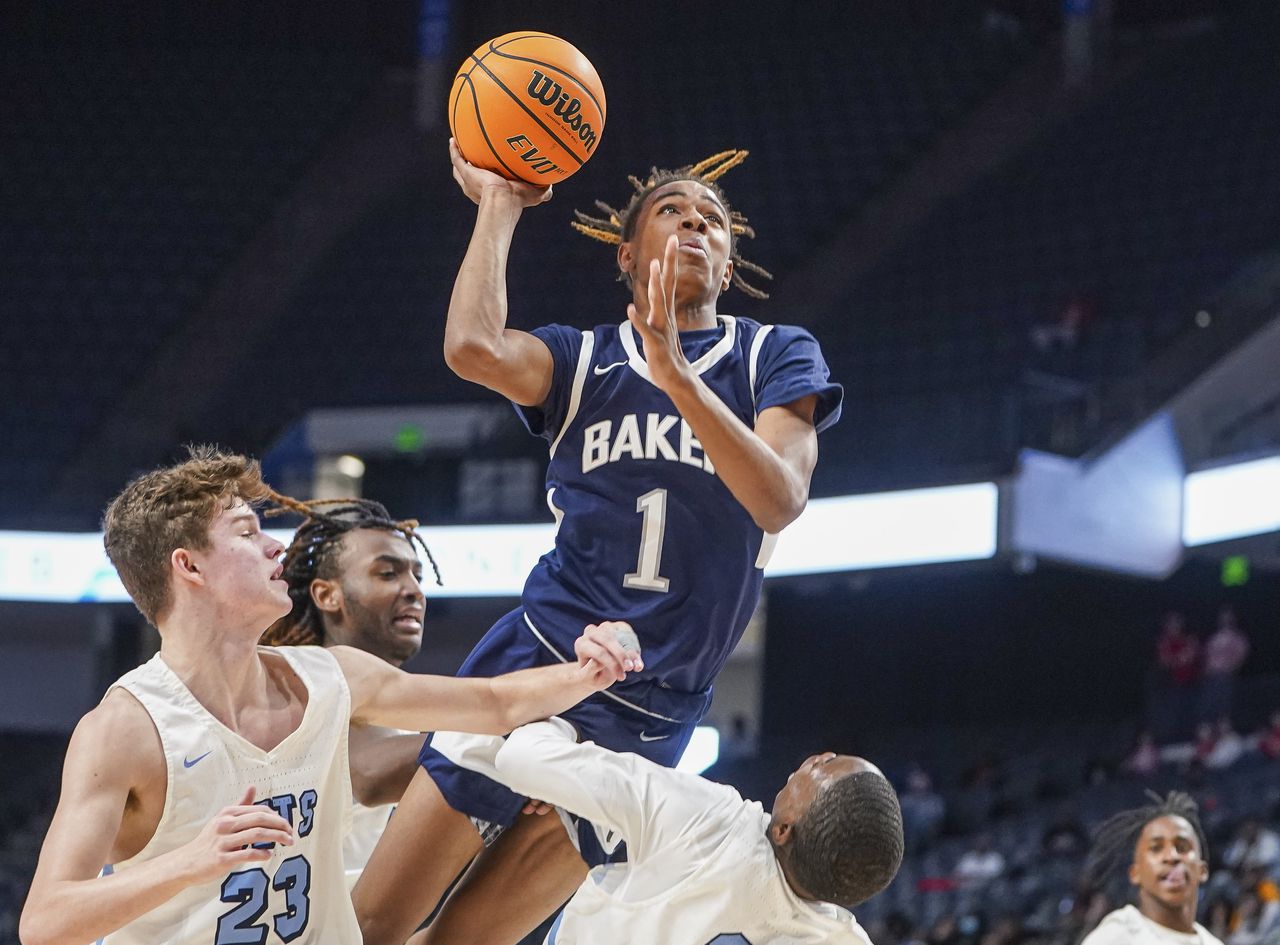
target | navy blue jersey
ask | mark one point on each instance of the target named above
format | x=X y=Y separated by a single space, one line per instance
x=647 y=532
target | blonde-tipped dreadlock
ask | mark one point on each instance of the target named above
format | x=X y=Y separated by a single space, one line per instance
x=313 y=554
x=618 y=226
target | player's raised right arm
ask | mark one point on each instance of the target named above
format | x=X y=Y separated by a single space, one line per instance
x=478 y=346
x=114 y=749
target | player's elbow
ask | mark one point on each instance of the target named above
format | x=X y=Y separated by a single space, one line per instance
x=472 y=358
x=514 y=758
x=780 y=513
x=35 y=926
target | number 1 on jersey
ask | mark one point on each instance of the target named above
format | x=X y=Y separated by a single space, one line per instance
x=653 y=506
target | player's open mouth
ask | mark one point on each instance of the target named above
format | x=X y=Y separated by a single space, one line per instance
x=278 y=573
x=1176 y=878
x=408 y=622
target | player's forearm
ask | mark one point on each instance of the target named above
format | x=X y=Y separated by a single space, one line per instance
x=478 y=308
x=533 y=694
x=72 y=912
x=543 y=760
x=769 y=489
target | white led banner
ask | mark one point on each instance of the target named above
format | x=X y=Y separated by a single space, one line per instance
x=888 y=529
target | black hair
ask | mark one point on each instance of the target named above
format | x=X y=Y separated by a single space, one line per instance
x=848 y=845
x=314 y=551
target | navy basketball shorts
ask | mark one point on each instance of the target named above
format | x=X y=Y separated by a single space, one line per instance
x=658 y=735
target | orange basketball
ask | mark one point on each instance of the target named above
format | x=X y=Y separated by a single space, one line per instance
x=527 y=106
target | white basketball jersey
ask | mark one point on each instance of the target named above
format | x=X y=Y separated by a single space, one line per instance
x=1128 y=926
x=299 y=895
x=367 y=824
x=700 y=868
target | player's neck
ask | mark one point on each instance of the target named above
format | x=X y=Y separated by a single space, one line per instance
x=694 y=316
x=218 y=663
x=781 y=855
x=1176 y=918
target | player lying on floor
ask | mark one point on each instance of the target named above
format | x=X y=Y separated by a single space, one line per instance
x=703 y=865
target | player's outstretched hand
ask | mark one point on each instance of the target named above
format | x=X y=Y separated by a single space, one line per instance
x=609 y=651
x=658 y=330
x=227 y=841
x=474 y=181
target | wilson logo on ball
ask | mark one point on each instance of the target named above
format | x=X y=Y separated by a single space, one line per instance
x=548 y=92
x=528 y=106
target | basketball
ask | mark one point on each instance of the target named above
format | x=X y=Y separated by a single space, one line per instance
x=528 y=106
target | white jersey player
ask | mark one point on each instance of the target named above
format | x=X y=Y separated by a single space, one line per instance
x=153 y=774
x=355 y=579
x=1162 y=849
x=703 y=865
x=304 y=780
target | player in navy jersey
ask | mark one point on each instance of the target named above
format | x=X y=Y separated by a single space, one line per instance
x=682 y=441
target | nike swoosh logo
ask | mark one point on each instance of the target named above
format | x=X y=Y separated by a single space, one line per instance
x=646 y=737
x=608 y=367
x=191 y=763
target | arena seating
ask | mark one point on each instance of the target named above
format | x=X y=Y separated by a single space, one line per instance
x=132 y=177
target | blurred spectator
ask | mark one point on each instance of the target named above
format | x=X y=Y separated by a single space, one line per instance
x=1058 y=338
x=979 y=865
x=943 y=932
x=1257 y=912
x=1255 y=847
x=1224 y=653
x=1227 y=748
x=1218 y=916
x=1007 y=931
x=900 y=930
x=923 y=809
x=1144 y=760
x=1269 y=737
x=1065 y=837
x=1177 y=665
x=1204 y=743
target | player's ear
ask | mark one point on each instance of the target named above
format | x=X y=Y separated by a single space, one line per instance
x=185 y=567
x=326 y=595
x=1133 y=874
x=780 y=832
x=626 y=258
x=727 y=280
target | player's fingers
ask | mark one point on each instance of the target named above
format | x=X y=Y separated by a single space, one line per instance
x=608 y=654
x=640 y=324
x=258 y=835
x=249 y=793
x=546 y=194
x=248 y=854
x=243 y=818
x=657 y=297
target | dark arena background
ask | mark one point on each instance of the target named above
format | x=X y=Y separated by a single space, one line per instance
x=1039 y=242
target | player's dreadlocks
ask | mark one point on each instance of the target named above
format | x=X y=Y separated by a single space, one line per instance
x=848 y=845
x=314 y=551
x=619 y=226
x=1115 y=840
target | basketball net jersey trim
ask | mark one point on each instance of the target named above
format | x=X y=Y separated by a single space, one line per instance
x=637 y=363
x=579 y=379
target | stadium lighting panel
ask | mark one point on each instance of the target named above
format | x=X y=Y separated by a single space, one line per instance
x=1231 y=501
x=887 y=529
